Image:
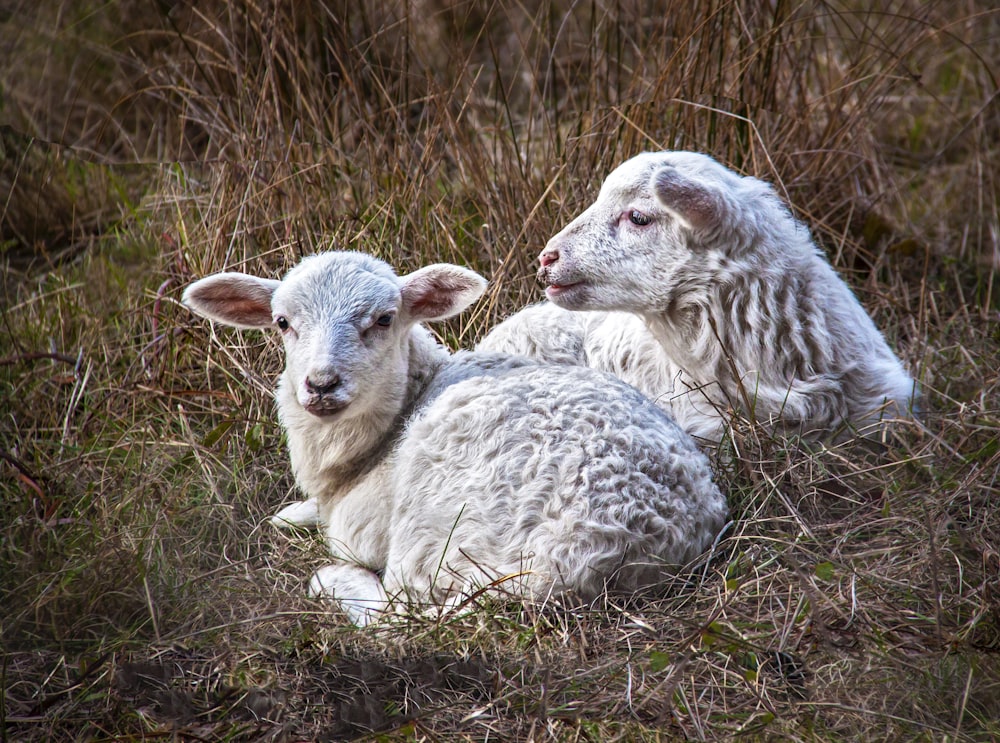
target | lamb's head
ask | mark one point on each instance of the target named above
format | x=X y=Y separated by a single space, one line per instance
x=662 y=224
x=345 y=320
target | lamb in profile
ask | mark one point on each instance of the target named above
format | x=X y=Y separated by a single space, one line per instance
x=444 y=472
x=748 y=313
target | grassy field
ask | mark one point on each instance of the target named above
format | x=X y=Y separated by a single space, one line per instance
x=146 y=144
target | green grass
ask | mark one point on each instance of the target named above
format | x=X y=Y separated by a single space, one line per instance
x=143 y=594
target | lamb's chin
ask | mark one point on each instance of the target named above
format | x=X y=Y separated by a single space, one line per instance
x=569 y=296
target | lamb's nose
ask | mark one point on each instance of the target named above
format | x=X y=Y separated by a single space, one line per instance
x=548 y=257
x=322 y=385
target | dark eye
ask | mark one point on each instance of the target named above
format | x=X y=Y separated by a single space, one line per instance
x=638 y=218
x=282 y=323
x=384 y=321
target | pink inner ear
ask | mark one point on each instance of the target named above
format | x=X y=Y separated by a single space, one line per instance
x=437 y=292
x=246 y=303
x=695 y=203
x=430 y=297
x=430 y=304
x=233 y=299
x=249 y=312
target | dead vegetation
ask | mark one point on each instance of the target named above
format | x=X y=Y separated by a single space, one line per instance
x=144 y=596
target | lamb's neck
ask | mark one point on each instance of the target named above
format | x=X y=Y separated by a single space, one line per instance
x=681 y=316
x=329 y=458
x=754 y=320
x=685 y=331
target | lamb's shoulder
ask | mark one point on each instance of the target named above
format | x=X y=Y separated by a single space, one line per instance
x=620 y=343
x=512 y=401
x=541 y=331
x=466 y=365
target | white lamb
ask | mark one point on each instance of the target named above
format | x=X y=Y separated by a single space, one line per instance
x=442 y=473
x=746 y=312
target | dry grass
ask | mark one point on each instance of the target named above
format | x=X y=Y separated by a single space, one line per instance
x=855 y=595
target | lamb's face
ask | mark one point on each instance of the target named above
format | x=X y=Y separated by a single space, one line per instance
x=346 y=320
x=340 y=323
x=658 y=221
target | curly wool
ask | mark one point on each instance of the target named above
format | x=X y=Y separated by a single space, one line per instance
x=529 y=472
x=619 y=343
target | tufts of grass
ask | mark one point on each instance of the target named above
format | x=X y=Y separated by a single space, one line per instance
x=142 y=592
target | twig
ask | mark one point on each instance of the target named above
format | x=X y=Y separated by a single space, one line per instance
x=36 y=355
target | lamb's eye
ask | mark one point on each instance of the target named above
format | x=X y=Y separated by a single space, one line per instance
x=384 y=321
x=282 y=323
x=638 y=218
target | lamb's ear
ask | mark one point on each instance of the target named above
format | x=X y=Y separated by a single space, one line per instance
x=236 y=299
x=440 y=291
x=698 y=205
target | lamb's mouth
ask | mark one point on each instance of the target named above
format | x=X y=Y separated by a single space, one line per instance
x=554 y=291
x=325 y=409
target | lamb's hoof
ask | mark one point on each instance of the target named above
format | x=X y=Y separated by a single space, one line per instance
x=355 y=590
x=304 y=514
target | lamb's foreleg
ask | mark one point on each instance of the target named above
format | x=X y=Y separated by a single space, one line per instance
x=357 y=590
x=304 y=514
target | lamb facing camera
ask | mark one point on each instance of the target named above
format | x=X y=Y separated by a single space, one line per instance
x=442 y=473
x=747 y=313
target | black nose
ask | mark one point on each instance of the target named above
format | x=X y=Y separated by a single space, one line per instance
x=324 y=386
